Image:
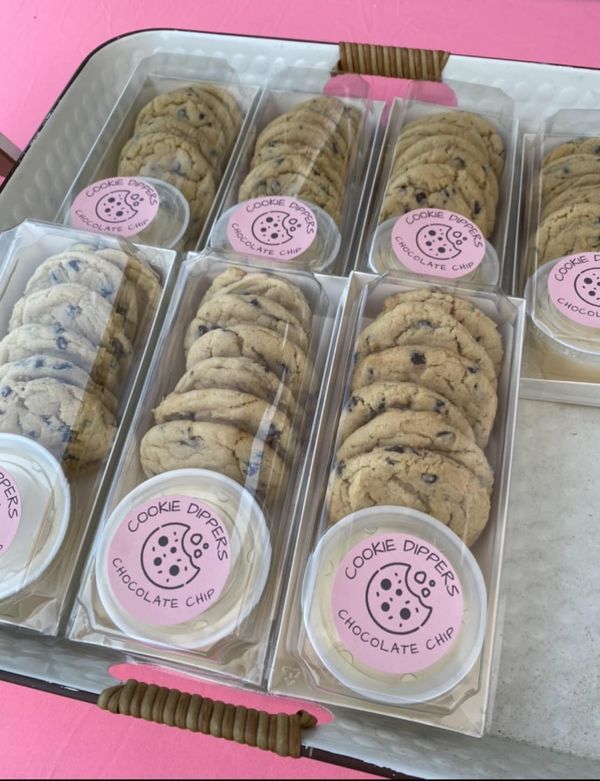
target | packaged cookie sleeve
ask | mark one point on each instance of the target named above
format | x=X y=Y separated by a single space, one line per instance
x=194 y=540
x=77 y=313
x=154 y=173
x=295 y=192
x=392 y=603
x=441 y=201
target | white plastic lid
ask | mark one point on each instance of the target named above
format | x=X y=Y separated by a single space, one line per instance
x=382 y=258
x=35 y=505
x=304 y=236
x=183 y=559
x=169 y=226
x=563 y=304
x=394 y=605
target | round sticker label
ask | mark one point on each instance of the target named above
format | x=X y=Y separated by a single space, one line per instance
x=272 y=226
x=169 y=560
x=574 y=288
x=397 y=603
x=10 y=510
x=121 y=206
x=438 y=243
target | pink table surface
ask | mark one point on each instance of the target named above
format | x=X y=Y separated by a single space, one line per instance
x=43 y=42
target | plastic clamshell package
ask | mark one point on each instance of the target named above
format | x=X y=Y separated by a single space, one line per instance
x=494 y=106
x=241 y=651
x=65 y=391
x=329 y=249
x=560 y=361
x=154 y=76
x=297 y=670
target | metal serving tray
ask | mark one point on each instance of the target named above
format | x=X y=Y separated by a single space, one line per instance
x=544 y=721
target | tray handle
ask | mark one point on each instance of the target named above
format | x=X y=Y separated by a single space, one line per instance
x=395 y=61
x=280 y=733
x=9 y=154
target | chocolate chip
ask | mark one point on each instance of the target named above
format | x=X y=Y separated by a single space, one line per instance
x=255 y=302
x=427 y=478
x=5 y=391
x=340 y=468
x=39 y=362
x=395 y=449
x=62 y=343
x=353 y=402
x=473 y=369
x=439 y=405
x=381 y=406
x=418 y=359
x=74 y=310
x=424 y=324
x=476 y=207
x=420 y=197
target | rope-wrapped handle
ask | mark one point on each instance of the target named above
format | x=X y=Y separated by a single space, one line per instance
x=280 y=733
x=395 y=61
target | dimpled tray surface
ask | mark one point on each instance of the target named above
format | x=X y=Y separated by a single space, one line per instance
x=543 y=722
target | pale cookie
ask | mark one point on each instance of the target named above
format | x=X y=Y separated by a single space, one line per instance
x=219 y=109
x=313 y=142
x=468 y=120
x=230 y=309
x=304 y=118
x=274 y=288
x=583 y=145
x=184 y=104
x=479 y=325
x=571 y=196
x=443 y=372
x=451 y=142
x=402 y=431
x=567 y=168
x=72 y=424
x=54 y=341
x=183 y=444
x=287 y=361
x=209 y=141
x=78 y=309
x=366 y=403
x=226 y=97
x=423 y=323
x=428 y=482
x=94 y=272
x=441 y=186
x=35 y=367
x=243 y=410
x=573 y=183
x=303 y=168
x=561 y=231
x=297 y=186
x=238 y=374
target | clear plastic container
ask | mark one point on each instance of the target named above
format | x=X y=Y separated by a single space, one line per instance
x=394 y=605
x=231 y=398
x=564 y=318
x=77 y=312
x=191 y=154
x=402 y=456
x=496 y=108
x=304 y=175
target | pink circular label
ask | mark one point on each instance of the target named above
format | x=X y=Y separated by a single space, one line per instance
x=272 y=226
x=122 y=206
x=10 y=510
x=397 y=603
x=574 y=288
x=169 y=560
x=438 y=243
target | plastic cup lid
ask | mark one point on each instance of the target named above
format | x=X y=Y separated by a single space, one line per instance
x=168 y=228
x=394 y=605
x=382 y=258
x=35 y=505
x=281 y=230
x=571 y=322
x=183 y=559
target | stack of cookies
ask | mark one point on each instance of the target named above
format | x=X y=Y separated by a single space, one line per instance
x=246 y=359
x=307 y=153
x=452 y=160
x=570 y=200
x=185 y=137
x=68 y=350
x=422 y=407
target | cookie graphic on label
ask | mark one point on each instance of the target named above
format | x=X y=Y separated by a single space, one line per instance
x=171 y=555
x=274 y=227
x=440 y=242
x=587 y=286
x=118 y=206
x=393 y=602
